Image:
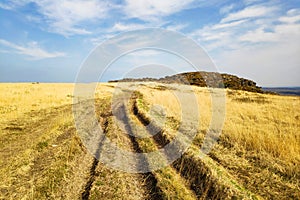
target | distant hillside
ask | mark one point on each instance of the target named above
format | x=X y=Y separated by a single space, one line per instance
x=204 y=79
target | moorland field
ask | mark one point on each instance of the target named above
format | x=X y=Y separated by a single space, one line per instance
x=257 y=155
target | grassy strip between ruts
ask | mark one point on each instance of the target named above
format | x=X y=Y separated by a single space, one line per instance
x=206 y=177
x=169 y=181
x=109 y=183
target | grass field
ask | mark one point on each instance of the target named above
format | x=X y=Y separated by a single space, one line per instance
x=42 y=156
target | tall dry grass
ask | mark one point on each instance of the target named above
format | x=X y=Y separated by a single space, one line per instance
x=17 y=99
x=41 y=154
x=261 y=123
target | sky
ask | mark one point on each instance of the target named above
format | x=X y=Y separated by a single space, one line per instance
x=49 y=40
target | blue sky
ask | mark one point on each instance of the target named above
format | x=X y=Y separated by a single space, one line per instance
x=48 y=40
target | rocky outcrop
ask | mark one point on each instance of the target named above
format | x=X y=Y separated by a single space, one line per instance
x=204 y=79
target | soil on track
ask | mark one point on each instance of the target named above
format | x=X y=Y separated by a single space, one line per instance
x=148 y=183
x=145 y=183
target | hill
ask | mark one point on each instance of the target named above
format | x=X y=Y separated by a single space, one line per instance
x=204 y=79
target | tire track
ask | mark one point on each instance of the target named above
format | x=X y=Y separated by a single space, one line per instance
x=151 y=182
x=186 y=166
x=147 y=181
x=182 y=164
x=195 y=176
x=87 y=189
x=103 y=122
x=200 y=174
x=168 y=177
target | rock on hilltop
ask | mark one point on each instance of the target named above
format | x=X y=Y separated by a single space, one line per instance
x=204 y=79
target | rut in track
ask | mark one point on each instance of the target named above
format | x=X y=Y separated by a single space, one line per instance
x=147 y=181
x=151 y=182
x=200 y=174
x=161 y=140
x=185 y=178
x=86 y=193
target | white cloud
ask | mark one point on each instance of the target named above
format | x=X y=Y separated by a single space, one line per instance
x=216 y=36
x=5 y=6
x=256 y=42
x=98 y=40
x=176 y=27
x=76 y=17
x=149 y=10
x=66 y=17
x=126 y=27
x=259 y=35
x=286 y=31
x=116 y=29
x=32 y=50
x=12 y=4
x=219 y=35
x=226 y=9
x=228 y=25
x=293 y=16
x=246 y=25
x=249 y=12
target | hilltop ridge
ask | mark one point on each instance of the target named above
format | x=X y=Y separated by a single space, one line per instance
x=203 y=79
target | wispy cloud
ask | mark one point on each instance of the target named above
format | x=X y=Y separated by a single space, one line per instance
x=245 y=25
x=259 y=35
x=285 y=29
x=149 y=10
x=293 y=16
x=154 y=12
x=126 y=27
x=226 y=9
x=32 y=50
x=177 y=27
x=249 y=12
x=255 y=40
x=219 y=35
x=12 y=4
x=66 y=17
x=77 y=17
x=5 y=6
x=228 y=25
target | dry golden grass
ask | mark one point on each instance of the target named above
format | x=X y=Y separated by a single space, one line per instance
x=258 y=122
x=272 y=126
x=207 y=178
x=18 y=99
x=261 y=132
x=172 y=185
x=42 y=156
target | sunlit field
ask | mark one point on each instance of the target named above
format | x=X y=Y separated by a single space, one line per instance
x=254 y=122
x=42 y=157
x=260 y=140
